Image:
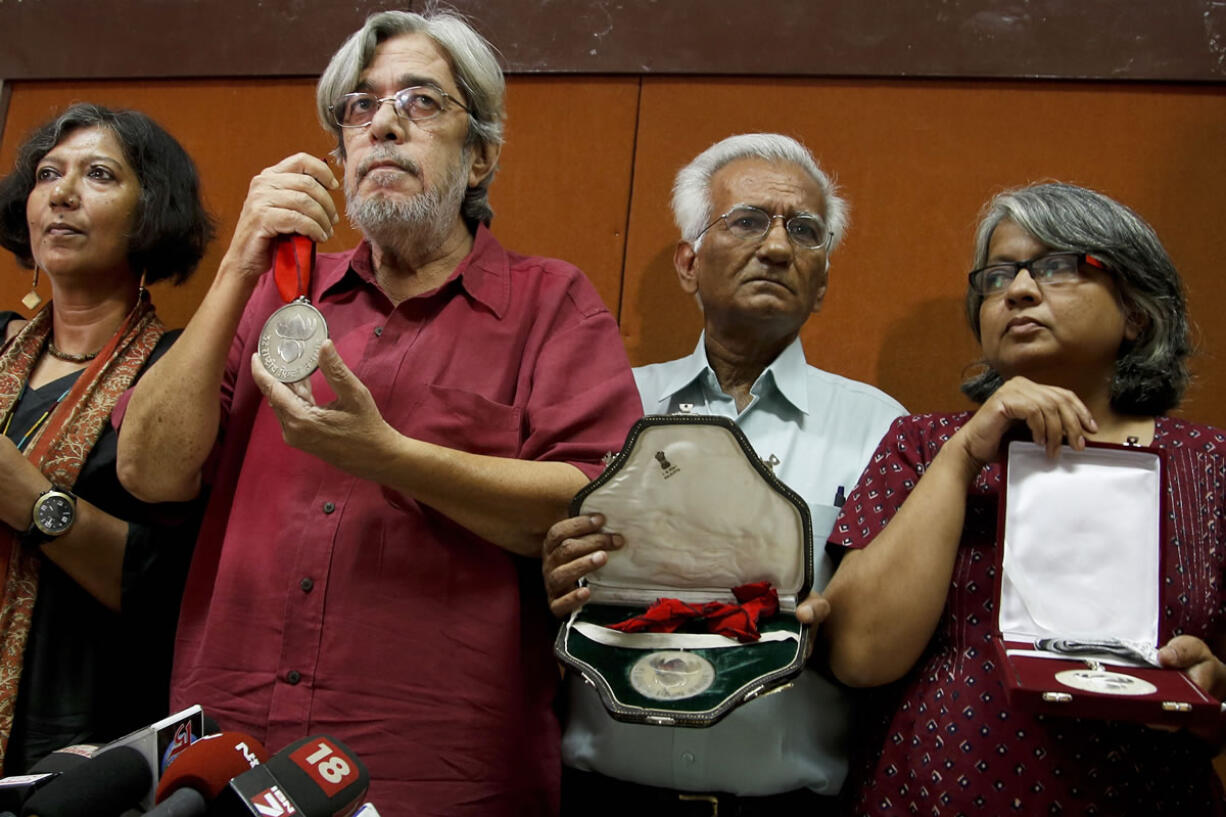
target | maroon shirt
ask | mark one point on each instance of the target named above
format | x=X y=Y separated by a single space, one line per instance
x=320 y=602
x=947 y=742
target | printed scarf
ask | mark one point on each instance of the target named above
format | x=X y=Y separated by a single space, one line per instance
x=59 y=449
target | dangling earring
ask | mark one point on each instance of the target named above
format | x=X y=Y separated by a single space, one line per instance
x=32 y=298
x=142 y=297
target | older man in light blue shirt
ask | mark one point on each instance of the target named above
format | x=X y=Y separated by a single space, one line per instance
x=758 y=219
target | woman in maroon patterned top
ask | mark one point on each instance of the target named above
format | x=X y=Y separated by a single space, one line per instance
x=1081 y=318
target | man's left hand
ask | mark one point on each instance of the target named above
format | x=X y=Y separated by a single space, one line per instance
x=348 y=433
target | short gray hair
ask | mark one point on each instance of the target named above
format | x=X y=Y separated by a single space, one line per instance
x=1151 y=372
x=692 y=208
x=473 y=63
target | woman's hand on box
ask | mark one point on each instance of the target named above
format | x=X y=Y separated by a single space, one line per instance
x=1053 y=416
x=1193 y=656
x=813 y=611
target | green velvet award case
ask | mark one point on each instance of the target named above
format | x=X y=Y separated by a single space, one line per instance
x=700 y=514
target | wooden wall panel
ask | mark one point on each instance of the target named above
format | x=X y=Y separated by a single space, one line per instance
x=562 y=191
x=564 y=187
x=917 y=160
x=1177 y=40
x=583 y=179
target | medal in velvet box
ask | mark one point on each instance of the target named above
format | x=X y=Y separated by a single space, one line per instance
x=1081 y=543
x=701 y=515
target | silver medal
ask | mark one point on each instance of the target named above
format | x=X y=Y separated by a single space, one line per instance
x=290 y=341
x=671 y=675
x=1106 y=682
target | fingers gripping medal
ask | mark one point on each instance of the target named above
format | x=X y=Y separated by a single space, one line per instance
x=292 y=336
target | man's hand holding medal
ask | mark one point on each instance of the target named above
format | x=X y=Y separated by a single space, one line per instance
x=348 y=432
x=288 y=209
x=290 y=198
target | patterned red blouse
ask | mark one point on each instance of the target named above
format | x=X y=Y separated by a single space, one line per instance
x=946 y=742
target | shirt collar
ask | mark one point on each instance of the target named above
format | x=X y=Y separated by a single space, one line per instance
x=485 y=273
x=787 y=372
x=790 y=376
x=688 y=369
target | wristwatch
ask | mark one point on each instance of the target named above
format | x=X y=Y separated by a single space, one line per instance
x=53 y=515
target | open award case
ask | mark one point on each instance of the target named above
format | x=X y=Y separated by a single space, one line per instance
x=700 y=514
x=1080 y=543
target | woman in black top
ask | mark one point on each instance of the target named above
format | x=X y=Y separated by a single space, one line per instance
x=102 y=202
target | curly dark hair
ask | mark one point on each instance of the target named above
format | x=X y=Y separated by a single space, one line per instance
x=1151 y=373
x=172 y=226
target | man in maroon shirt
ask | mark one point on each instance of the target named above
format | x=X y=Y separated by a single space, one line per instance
x=372 y=578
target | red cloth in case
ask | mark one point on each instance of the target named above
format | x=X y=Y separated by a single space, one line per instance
x=739 y=621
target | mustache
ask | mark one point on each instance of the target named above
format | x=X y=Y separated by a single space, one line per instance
x=388 y=157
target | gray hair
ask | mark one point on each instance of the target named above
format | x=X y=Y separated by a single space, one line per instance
x=1151 y=372
x=692 y=189
x=473 y=63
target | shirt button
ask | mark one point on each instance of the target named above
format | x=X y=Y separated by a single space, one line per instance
x=306 y=584
x=688 y=757
x=378 y=331
x=293 y=676
x=329 y=507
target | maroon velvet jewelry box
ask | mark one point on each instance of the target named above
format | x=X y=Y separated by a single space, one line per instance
x=1080 y=559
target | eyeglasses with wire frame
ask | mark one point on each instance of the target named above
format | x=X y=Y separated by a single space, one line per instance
x=418 y=103
x=749 y=223
x=1046 y=270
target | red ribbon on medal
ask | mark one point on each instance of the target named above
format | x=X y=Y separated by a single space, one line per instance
x=293 y=264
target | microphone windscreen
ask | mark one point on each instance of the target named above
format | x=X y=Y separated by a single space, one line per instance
x=61 y=760
x=209 y=764
x=317 y=776
x=210 y=726
x=107 y=783
x=322 y=774
x=16 y=789
x=182 y=803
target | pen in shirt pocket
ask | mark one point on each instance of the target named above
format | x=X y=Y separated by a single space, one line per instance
x=839 y=499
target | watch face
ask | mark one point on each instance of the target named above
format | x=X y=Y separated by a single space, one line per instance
x=54 y=514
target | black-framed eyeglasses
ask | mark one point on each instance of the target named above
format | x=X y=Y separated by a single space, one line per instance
x=417 y=104
x=1046 y=270
x=749 y=223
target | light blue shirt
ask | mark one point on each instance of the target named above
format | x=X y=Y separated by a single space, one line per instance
x=822 y=429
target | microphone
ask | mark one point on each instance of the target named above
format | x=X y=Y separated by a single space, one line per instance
x=209 y=764
x=107 y=783
x=184 y=802
x=160 y=743
x=61 y=760
x=15 y=789
x=317 y=776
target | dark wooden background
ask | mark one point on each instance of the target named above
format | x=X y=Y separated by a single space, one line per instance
x=921 y=109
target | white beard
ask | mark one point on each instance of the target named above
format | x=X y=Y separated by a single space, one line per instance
x=410 y=227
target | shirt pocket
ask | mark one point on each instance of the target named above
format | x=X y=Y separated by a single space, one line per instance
x=459 y=419
x=822 y=518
